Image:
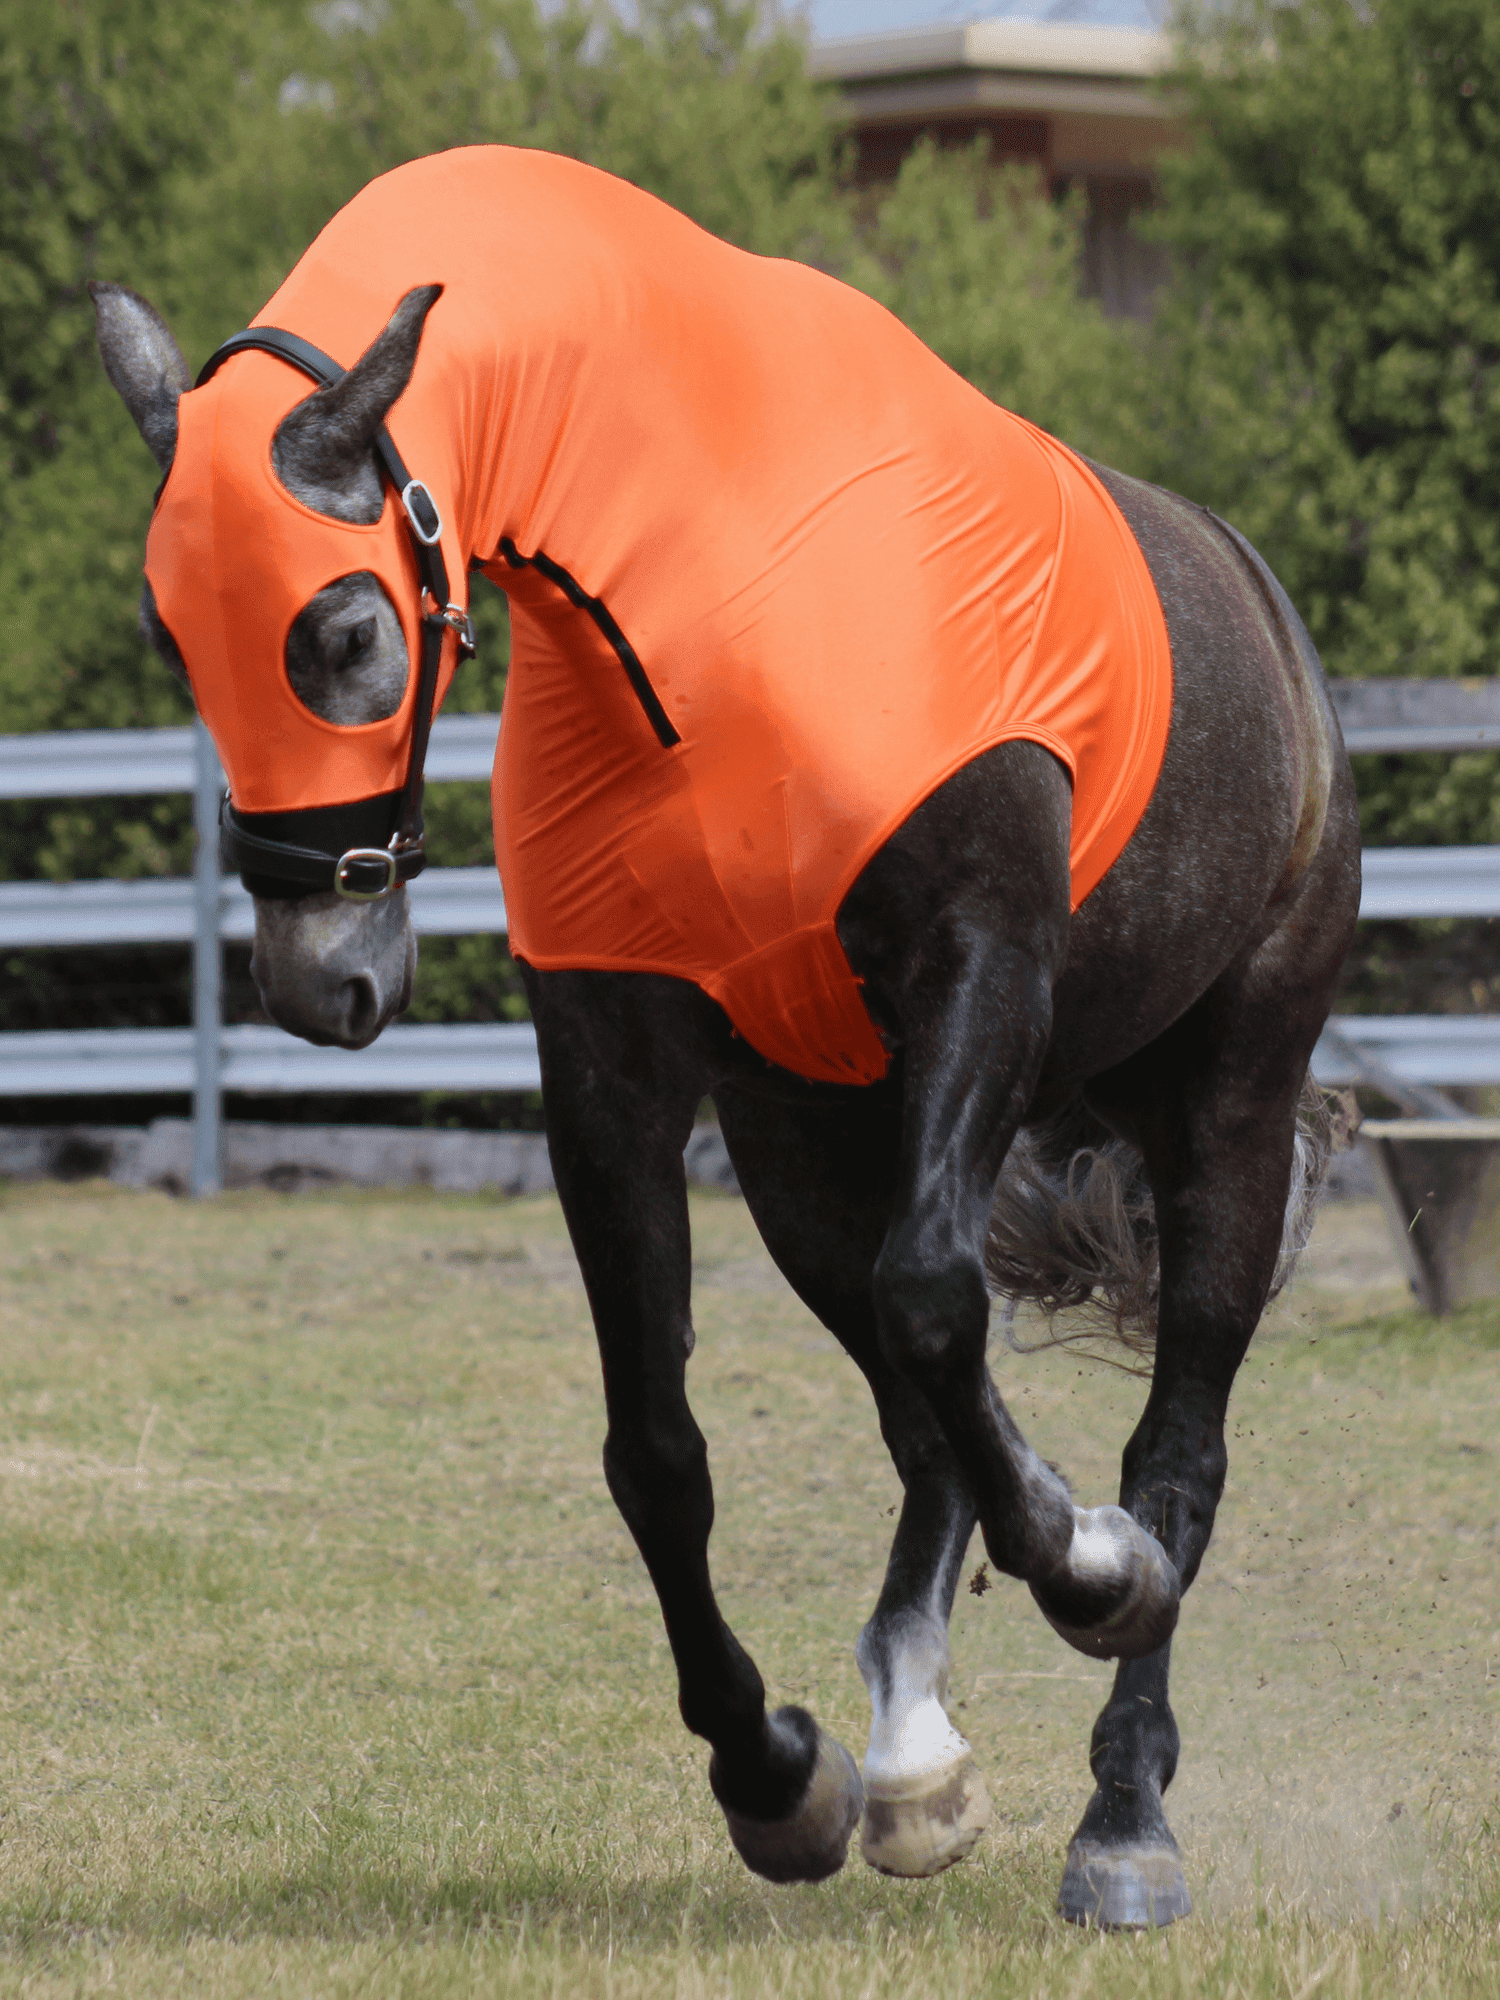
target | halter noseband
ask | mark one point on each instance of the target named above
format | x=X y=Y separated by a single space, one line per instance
x=351 y=849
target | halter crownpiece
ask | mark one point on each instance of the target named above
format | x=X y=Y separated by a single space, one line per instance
x=367 y=848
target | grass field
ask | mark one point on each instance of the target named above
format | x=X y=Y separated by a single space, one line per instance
x=330 y=1670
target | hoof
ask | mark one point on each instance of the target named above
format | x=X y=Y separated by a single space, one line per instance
x=922 y=1824
x=1114 y=1596
x=1123 y=1888
x=810 y=1843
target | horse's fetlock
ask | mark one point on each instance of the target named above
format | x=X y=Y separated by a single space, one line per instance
x=1135 y=1744
x=762 y=1770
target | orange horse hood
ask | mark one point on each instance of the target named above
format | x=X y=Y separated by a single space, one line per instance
x=775 y=573
x=232 y=559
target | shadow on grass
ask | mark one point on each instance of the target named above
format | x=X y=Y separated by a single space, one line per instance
x=573 y=1906
x=1005 y=1905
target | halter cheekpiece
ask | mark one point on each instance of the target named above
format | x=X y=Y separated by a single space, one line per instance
x=365 y=849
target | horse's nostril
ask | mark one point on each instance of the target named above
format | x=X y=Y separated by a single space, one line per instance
x=361 y=1006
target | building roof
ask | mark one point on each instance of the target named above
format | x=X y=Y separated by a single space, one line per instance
x=1042 y=48
x=1097 y=87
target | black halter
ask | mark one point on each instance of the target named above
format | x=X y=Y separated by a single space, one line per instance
x=363 y=849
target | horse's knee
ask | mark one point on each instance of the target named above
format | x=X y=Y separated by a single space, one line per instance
x=657 y=1474
x=932 y=1311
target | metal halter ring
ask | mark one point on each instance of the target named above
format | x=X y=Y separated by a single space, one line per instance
x=454 y=617
x=360 y=857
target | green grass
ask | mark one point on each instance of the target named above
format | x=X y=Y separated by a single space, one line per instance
x=328 y=1667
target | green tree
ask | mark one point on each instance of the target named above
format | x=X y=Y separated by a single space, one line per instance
x=691 y=99
x=983 y=266
x=110 y=112
x=194 y=152
x=1327 y=366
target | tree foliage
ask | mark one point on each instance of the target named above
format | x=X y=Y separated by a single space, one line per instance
x=1337 y=319
x=193 y=152
x=1327 y=366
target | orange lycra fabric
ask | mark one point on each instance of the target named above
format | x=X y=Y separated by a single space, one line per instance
x=232 y=560
x=844 y=572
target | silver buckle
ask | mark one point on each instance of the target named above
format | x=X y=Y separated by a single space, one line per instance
x=417 y=486
x=463 y=625
x=454 y=617
x=340 y=880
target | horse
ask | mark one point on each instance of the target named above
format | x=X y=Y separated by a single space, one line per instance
x=1141 y=1053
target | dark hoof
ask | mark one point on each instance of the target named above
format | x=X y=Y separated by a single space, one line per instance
x=1123 y=1888
x=1115 y=1595
x=810 y=1843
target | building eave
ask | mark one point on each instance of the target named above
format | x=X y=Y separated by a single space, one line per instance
x=1039 y=50
x=960 y=96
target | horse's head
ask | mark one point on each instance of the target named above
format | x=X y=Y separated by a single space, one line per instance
x=329 y=969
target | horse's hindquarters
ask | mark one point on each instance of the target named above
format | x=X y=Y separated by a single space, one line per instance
x=1254 y=787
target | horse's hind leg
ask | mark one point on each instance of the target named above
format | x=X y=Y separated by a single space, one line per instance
x=820 y=1179
x=1213 y=1106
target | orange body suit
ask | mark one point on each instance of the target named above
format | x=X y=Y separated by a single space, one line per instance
x=843 y=572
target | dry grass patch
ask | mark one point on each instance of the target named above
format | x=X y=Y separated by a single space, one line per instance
x=329 y=1667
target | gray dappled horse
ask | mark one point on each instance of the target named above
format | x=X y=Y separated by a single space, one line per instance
x=1168 y=1023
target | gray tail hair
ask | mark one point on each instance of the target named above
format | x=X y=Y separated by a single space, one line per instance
x=1073 y=1227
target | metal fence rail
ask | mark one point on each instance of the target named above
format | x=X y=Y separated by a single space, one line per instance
x=1437 y=1049
x=209 y=910
x=1383 y=717
x=1431 y=882
x=104 y=1062
x=1396 y=717
x=115 y=763
x=453 y=902
x=445 y=902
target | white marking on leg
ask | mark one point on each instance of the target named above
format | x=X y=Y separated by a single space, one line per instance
x=910 y=1734
x=925 y=1802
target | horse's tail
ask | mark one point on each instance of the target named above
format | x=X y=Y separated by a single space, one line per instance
x=1073 y=1225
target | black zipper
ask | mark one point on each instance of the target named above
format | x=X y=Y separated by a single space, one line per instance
x=575 y=593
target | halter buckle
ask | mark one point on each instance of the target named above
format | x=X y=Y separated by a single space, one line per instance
x=421 y=511
x=347 y=886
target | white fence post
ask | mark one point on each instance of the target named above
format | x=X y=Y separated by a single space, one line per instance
x=208 y=961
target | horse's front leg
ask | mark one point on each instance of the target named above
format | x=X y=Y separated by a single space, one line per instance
x=1100 y=1578
x=819 y=1176
x=621 y=1084
x=966 y=978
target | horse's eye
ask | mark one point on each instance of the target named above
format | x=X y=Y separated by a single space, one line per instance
x=361 y=638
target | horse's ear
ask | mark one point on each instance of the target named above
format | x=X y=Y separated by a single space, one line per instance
x=323 y=449
x=145 y=364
